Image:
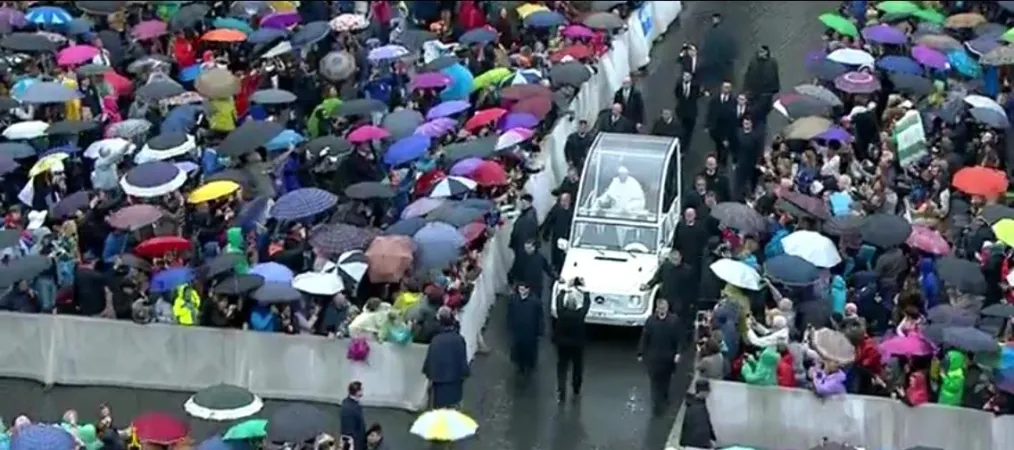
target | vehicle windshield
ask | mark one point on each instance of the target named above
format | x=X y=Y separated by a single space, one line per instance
x=607 y=236
x=623 y=180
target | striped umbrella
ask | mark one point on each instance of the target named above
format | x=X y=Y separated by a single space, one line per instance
x=48 y=15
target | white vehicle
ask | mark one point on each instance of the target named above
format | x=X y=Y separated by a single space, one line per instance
x=626 y=213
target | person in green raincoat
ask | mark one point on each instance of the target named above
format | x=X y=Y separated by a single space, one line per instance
x=952 y=378
x=326 y=109
x=761 y=370
x=236 y=243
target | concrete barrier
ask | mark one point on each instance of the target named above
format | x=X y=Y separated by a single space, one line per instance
x=776 y=417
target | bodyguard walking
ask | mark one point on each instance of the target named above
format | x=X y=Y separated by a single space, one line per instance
x=525 y=322
x=659 y=351
x=569 y=337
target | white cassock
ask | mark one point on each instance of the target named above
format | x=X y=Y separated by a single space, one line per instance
x=627 y=196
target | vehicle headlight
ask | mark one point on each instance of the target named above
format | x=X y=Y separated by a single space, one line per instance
x=636 y=301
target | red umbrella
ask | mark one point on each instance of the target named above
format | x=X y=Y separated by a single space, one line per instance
x=981 y=181
x=159 y=428
x=489 y=173
x=536 y=106
x=158 y=246
x=484 y=117
x=522 y=91
x=576 y=51
x=472 y=231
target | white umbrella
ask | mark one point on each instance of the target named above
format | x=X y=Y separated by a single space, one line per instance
x=452 y=186
x=737 y=273
x=26 y=130
x=114 y=145
x=316 y=283
x=353 y=264
x=980 y=101
x=852 y=57
x=278 y=50
x=813 y=247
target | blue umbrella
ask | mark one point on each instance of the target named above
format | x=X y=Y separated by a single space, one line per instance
x=478 y=36
x=438 y=245
x=21 y=86
x=302 y=203
x=406 y=150
x=169 y=279
x=42 y=437
x=895 y=63
x=461 y=83
x=217 y=443
x=405 y=227
x=181 y=119
x=48 y=15
x=544 y=19
x=265 y=35
x=990 y=117
x=276 y=292
x=310 y=33
x=283 y=140
x=232 y=24
x=272 y=272
x=447 y=108
x=791 y=270
x=81 y=25
x=190 y=73
x=964 y=64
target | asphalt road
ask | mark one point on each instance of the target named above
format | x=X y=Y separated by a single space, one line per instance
x=613 y=411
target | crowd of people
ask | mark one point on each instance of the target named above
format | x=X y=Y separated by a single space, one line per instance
x=328 y=168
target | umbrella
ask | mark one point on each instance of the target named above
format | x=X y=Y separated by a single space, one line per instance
x=402 y=123
x=835 y=134
x=160 y=89
x=249 y=136
x=825 y=70
x=189 y=16
x=149 y=29
x=296 y=423
x=390 y=258
x=169 y=279
x=448 y=108
x=445 y=425
x=26 y=130
x=569 y=74
x=317 y=283
x=806 y=128
x=737 y=273
x=479 y=148
x=908 y=345
x=603 y=21
x=948 y=315
x=884 y=34
x=367 y=190
x=332 y=145
x=275 y=292
x=338 y=238
x=76 y=54
x=238 y=284
x=438 y=245
x=351 y=267
x=70 y=205
x=387 y=52
x=70 y=127
x=813 y=247
x=857 y=83
x=24 y=268
x=302 y=203
x=969 y=339
x=983 y=45
x=437 y=128
x=361 y=107
x=578 y=32
x=996 y=212
x=980 y=181
x=929 y=57
x=833 y=345
x=153 y=179
x=965 y=20
x=429 y=80
x=962 y=274
x=247 y=430
x=273 y=97
x=366 y=133
x=224 y=35
x=212 y=191
x=17 y=150
x=512 y=137
x=160 y=245
x=42 y=437
x=911 y=84
x=159 y=428
x=128 y=129
x=280 y=20
x=928 y=240
x=820 y=93
x=455 y=214
x=1000 y=56
x=885 y=230
x=999 y=310
x=48 y=92
x=962 y=62
x=791 y=270
x=167 y=145
x=484 y=118
x=407 y=226
x=215 y=443
x=284 y=140
x=223 y=402
x=811 y=206
x=349 y=22
x=28 y=42
x=221 y=264
x=839 y=24
x=546 y=19
x=898 y=63
x=478 y=36
x=134 y=217
x=794 y=105
x=990 y=117
x=266 y=35
x=216 y=83
x=489 y=173
x=336 y=66
x=462 y=82
x=7 y=164
x=12 y=18
x=898 y=7
x=48 y=15
x=310 y=33
x=520 y=92
x=273 y=272
x=421 y=207
x=453 y=186
x=851 y=57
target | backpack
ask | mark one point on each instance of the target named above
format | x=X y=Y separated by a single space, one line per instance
x=359 y=349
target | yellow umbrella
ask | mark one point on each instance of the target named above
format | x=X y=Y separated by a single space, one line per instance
x=212 y=191
x=446 y=425
x=1004 y=231
x=280 y=6
x=528 y=8
x=491 y=78
x=48 y=163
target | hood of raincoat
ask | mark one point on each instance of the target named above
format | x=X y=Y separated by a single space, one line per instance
x=763 y=370
x=235 y=243
x=952 y=379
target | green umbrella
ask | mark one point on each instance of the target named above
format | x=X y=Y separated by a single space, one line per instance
x=1008 y=36
x=931 y=15
x=898 y=7
x=839 y=24
x=250 y=429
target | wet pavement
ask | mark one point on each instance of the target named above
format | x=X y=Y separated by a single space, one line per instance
x=613 y=411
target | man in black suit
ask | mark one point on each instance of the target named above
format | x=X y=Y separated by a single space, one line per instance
x=577 y=144
x=667 y=125
x=687 y=94
x=721 y=121
x=689 y=60
x=353 y=424
x=612 y=121
x=749 y=146
x=633 y=104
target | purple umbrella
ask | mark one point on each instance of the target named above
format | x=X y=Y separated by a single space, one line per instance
x=884 y=34
x=519 y=120
x=857 y=83
x=272 y=272
x=12 y=17
x=929 y=57
x=280 y=20
x=835 y=134
x=421 y=207
x=465 y=167
x=447 y=108
x=437 y=127
x=429 y=80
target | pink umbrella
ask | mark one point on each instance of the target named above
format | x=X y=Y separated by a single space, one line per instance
x=149 y=29
x=367 y=133
x=928 y=240
x=76 y=54
x=437 y=127
x=429 y=80
x=578 y=31
x=466 y=166
x=912 y=344
x=280 y=20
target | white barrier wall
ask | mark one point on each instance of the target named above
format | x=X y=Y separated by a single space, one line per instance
x=776 y=417
x=84 y=351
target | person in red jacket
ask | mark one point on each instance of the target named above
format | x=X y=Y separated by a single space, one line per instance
x=784 y=371
x=183 y=50
x=868 y=364
x=470 y=15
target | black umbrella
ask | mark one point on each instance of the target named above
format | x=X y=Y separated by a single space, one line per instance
x=885 y=230
x=334 y=145
x=160 y=89
x=100 y=8
x=791 y=270
x=369 y=190
x=220 y=264
x=28 y=42
x=112 y=42
x=276 y=293
x=295 y=424
x=249 y=136
x=405 y=227
x=71 y=127
x=238 y=285
x=455 y=215
x=479 y=148
x=961 y=274
x=234 y=175
x=999 y=310
x=24 y=269
x=842 y=226
x=134 y=261
x=7 y=103
x=569 y=74
x=440 y=63
x=9 y=238
x=223 y=402
x=273 y=97
x=826 y=70
x=310 y=33
x=996 y=212
x=413 y=39
x=803 y=106
x=70 y=205
x=189 y=16
x=92 y=70
x=17 y=150
x=911 y=84
x=361 y=107
x=969 y=339
x=948 y=315
x=603 y=21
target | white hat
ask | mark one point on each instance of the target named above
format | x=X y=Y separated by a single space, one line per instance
x=36 y=219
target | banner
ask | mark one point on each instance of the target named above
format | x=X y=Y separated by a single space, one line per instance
x=646 y=15
x=910 y=138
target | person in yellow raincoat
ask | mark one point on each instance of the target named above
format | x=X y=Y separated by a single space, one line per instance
x=223 y=115
x=186 y=305
x=72 y=109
